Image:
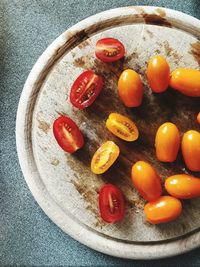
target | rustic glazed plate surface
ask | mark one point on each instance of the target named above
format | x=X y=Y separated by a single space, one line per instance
x=63 y=184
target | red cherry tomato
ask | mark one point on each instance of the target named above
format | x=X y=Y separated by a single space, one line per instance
x=85 y=89
x=109 y=50
x=111 y=204
x=67 y=134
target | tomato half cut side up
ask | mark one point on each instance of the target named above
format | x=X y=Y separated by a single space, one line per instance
x=104 y=157
x=85 y=89
x=67 y=134
x=111 y=204
x=109 y=50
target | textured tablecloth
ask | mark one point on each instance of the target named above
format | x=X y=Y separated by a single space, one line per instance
x=27 y=236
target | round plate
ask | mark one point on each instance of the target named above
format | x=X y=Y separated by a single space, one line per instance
x=63 y=184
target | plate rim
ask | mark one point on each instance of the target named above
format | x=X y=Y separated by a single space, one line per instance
x=29 y=169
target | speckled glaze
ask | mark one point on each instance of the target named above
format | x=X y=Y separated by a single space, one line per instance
x=63 y=184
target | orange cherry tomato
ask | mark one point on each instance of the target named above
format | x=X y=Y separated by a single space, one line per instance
x=130 y=88
x=183 y=186
x=162 y=210
x=191 y=150
x=186 y=81
x=146 y=180
x=198 y=118
x=158 y=74
x=167 y=142
x=104 y=157
x=122 y=127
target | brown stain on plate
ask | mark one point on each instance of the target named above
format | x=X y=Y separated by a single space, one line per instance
x=155 y=19
x=55 y=162
x=195 y=51
x=44 y=126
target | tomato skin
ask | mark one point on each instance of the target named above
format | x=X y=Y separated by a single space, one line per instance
x=186 y=81
x=162 y=210
x=146 y=180
x=111 y=203
x=167 y=142
x=183 y=186
x=130 y=88
x=104 y=157
x=109 y=50
x=191 y=150
x=122 y=127
x=158 y=74
x=198 y=118
x=85 y=89
x=67 y=134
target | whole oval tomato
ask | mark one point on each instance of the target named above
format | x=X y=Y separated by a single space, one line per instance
x=109 y=49
x=186 y=81
x=158 y=74
x=167 y=142
x=111 y=204
x=191 y=150
x=104 y=157
x=146 y=180
x=198 y=117
x=67 y=134
x=183 y=186
x=122 y=127
x=85 y=89
x=130 y=88
x=162 y=210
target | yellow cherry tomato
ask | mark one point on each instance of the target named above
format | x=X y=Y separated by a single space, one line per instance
x=162 y=210
x=130 y=88
x=158 y=74
x=186 y=81
x=146 y=180
x=191 y=150
x=183 y=186
x=167 y=142
x=198 y=118
x=122 y=127
x=104 y=157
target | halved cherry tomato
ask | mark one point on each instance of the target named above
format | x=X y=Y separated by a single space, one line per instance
x=162 y=210
x=198 y=118
x=109 y=50
x=146 y=180
x=191 y=150
x=186 y=81
x=167 y=142
x=67 y=134
x=158 y=74
x=122 y=127
x=111 y=204
x=130 y=88
x=85 y=89
x=104 y=157
x=183 y=186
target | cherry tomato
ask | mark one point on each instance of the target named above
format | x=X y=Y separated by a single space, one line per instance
x=146 y=180
x=104 y=157
x=191 y=150
x=162 y=210
x=122 y=127
x=183 y=186
x=158 y=74
x=130 y=88
x=109 y=50
x=85 y=89
x=111 y=203
x=186 y=81
x=167 y=142
x=67 y=134
x=198 y=118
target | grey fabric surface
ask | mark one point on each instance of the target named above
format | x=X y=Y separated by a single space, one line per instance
x=27 y=236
